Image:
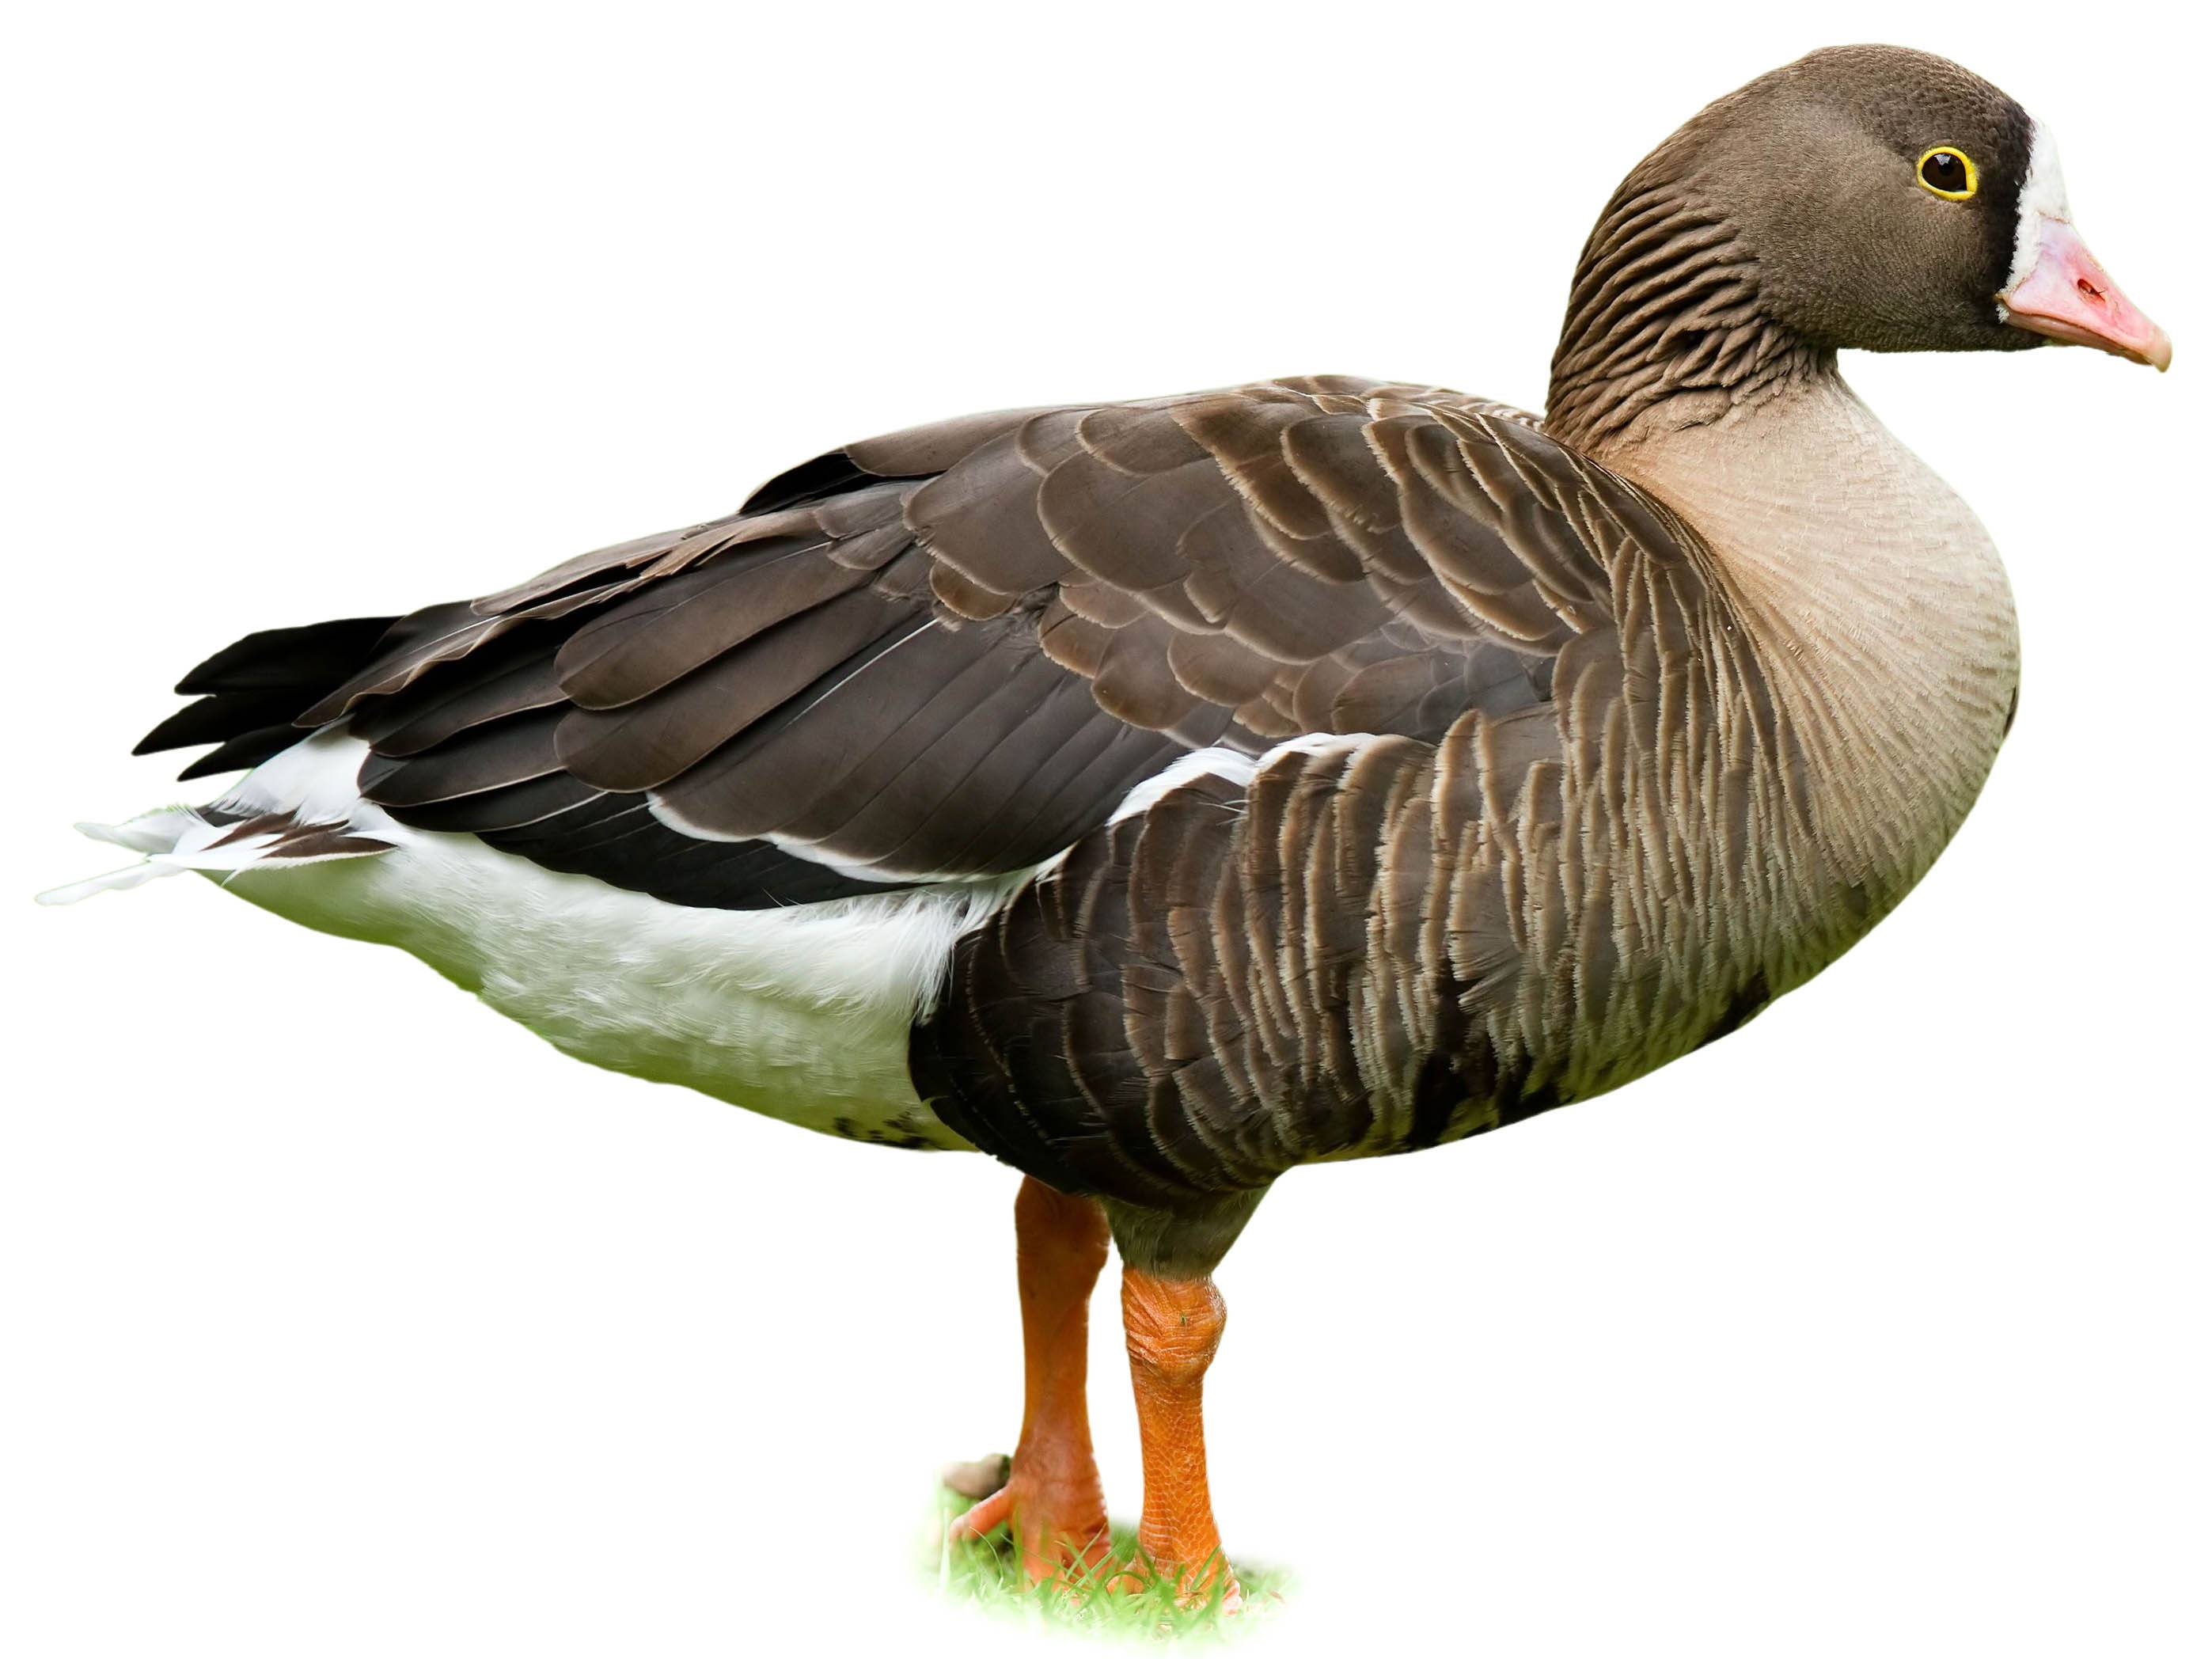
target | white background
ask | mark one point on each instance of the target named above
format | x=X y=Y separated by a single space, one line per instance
x=342 y=1317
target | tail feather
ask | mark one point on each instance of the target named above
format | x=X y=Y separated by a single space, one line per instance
x=305 y=809
x=158 y=834
x=149 y=832
x=115 y=881
x=302 y=809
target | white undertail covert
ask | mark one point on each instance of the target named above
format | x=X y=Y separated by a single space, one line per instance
x=801 y=1012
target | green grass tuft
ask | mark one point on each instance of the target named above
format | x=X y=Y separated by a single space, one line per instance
x=986 y=1573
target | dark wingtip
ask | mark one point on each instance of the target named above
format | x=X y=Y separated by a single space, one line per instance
x=251 y=693
x=213 y=719
x=282 y=658
x=245 y=751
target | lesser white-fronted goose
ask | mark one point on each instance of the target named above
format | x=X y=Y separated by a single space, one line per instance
x=1162 y=795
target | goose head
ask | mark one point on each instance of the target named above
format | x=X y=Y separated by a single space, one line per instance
x=1868 y=197
x=1897 y=203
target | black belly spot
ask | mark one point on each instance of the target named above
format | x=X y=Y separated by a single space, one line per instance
x=897 y=1134
x=1438 y=1093
x=1742 y=1006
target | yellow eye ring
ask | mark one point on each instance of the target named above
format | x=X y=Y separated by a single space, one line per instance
x=1939 y=170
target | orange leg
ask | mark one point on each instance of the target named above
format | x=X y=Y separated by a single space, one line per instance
x=1052 y=1498
x=1174 y=1325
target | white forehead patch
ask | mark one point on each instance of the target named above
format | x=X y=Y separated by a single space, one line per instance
x=2042 y=196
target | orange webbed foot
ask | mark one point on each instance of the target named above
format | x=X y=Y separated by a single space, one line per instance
x=1194 y=1587
x=1057 y=1519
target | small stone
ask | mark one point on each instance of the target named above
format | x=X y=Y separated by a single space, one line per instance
x=977 y=1480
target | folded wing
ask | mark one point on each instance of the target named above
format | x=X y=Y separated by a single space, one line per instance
x=950 y=652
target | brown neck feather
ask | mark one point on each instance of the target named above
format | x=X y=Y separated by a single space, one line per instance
x=1665 y=326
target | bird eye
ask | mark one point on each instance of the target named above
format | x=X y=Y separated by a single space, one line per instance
x=1949 y=173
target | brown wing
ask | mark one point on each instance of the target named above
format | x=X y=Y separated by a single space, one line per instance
x=953 y=650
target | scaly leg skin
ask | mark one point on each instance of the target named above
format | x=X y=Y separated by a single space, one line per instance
x=1174 y=1326
x=1052 y=1498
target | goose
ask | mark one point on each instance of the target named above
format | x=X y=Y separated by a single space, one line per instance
x=1162 y=795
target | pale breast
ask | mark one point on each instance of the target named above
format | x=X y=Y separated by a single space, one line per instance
x=1880 y=616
